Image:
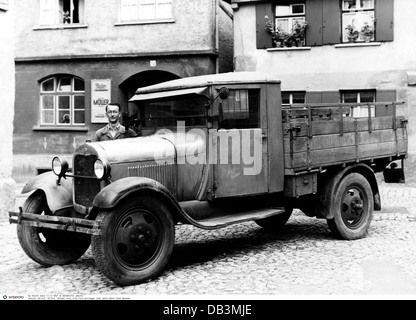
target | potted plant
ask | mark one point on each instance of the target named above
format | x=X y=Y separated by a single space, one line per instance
x=367 y=32
x=297 y=35
x=352 y=33
x=282 y=38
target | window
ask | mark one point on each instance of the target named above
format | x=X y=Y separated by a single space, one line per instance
x=363 y=96
x=62 y=101
x=167 y=112
x=327 y=20
x=293 y=97
x=137 y=10
x=287 y=16
x=359 y=15
x=54 y=12
x=241 y=109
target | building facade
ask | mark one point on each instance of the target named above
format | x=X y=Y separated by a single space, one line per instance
x=7 y=184
x=332 y=51
x=73 y=56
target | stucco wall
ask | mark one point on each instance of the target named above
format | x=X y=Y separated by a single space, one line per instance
x=7 y=185
x=193 y=29
x=226 y=39
x=332 y=67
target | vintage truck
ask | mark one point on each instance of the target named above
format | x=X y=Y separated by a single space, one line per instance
x=213 y=151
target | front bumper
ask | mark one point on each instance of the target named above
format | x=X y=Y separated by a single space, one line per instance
x=55 y=222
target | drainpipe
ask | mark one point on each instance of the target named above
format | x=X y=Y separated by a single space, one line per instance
x=217 y=35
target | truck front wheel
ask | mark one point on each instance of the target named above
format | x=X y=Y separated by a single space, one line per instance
x=49 y=247
x=353 y=208
x=136 y=242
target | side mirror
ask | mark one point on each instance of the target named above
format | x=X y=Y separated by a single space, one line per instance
x=224 y=93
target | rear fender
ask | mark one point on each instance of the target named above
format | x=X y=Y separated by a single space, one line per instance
x=56 y=196
x=327 y=193
x=121 y=189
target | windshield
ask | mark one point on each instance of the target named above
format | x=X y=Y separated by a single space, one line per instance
x=155 y=114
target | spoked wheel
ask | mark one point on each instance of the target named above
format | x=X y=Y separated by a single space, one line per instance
x=47 y=246
x=353 y=208
x=275 y=222
x=136 y=242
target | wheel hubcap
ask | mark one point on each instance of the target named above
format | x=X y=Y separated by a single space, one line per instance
x=137 y=238
x=352 y=208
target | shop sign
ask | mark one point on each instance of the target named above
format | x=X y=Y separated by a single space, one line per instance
x=100 y=97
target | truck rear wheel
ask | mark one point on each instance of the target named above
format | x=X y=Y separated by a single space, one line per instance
x=49 y=247
x=136 y=242
x=353 y=208
x=275 y=222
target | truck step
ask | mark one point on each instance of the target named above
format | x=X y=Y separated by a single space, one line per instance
x=223 y=221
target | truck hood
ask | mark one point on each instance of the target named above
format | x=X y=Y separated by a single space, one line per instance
x=164 y=146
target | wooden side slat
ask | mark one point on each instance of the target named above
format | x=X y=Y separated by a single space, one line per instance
x=321 y=135
x=334 y=141
x=322 y=127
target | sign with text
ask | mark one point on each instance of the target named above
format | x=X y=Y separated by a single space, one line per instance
x=100 y=97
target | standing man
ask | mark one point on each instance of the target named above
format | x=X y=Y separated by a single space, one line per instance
x=113 y=130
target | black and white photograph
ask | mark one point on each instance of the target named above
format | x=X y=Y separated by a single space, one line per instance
x=207 y=154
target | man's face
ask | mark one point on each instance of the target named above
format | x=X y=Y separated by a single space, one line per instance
x=113 y=114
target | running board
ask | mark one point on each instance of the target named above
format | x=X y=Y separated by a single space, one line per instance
x=224 y=221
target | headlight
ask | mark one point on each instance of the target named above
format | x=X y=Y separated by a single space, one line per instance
x=59 y=166
x=101 y=169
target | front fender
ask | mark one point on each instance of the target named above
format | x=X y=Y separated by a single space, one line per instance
x=112 y=194
x=56 y=196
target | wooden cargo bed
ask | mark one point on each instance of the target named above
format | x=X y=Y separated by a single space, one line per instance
x=319 y=136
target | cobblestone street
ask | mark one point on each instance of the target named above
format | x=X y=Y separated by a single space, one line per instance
x=303 y=259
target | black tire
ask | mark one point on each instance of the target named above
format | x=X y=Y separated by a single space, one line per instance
x=275 y=222
x=136 y=242
x=49 y=247
x=353 y=208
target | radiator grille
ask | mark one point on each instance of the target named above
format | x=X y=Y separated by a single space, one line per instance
x=163 y=173
x=85 y=189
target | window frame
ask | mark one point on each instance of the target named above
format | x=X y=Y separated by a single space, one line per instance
x=50 y=13
x=291 y=17
x=56 y=97
x=137 y=5
x=363 y=14
x=360 y=112
x=291 y=97
x=248 y=113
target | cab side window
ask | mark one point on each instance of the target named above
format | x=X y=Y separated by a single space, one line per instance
x=241 y=109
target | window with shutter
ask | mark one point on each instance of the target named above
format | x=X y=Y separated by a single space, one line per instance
x=313 y=97
x=328 y=21
x=385 y=96
x=323 y=18
x=54 y=12
x=264 y=13
x=384 y=22
x=314 y=16
x=358 y=20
